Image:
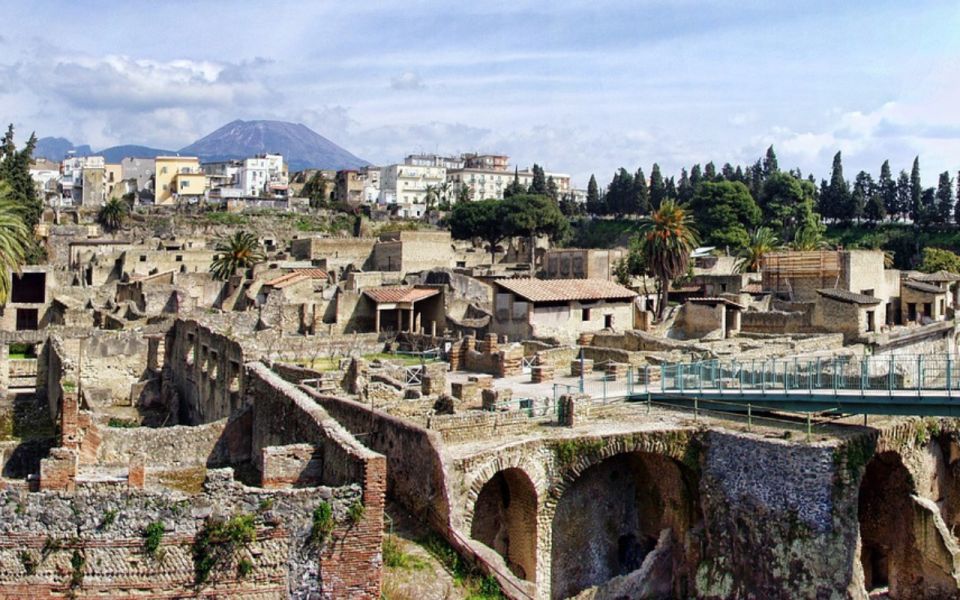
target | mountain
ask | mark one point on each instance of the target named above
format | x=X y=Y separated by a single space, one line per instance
x=115 y=154
x=300 y=146
x=56 y=148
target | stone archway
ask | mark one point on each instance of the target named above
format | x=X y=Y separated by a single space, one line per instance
x=906 y=546
x=627 y=515
x=505 y=519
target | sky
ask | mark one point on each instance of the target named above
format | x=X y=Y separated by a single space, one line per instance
x=578 y=87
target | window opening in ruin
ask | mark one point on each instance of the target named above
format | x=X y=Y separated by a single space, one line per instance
x=27 y=319
x=871 y=320
x=928 y=309
x=179 y=258
x=28 y=288
x=911 y=311
x=17 y=350
x=942 y=308
x=723 y=287
x=143 y=258
x=585 y=314
x=608 y=321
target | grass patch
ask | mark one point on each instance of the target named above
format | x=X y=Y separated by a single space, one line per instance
x=395 y=558
x=109 y=518
x=225 y=218
x=477 y=585
x=406 y=359
x=121 y=423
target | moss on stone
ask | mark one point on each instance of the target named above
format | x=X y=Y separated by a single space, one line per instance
x=568 y=451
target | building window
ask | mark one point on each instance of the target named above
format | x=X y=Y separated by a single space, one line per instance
x=871 y=320
x=143 y=258
x=585 y=314
x=608 y=321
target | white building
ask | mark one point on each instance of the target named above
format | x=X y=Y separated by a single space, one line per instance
x=407 y=185
x=490 y=183
x=370 y=177
x=46 y=179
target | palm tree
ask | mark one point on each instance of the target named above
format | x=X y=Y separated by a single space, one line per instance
x=808 y=238
x=113 y=213
x=762 y=242
x=239 y=251
x=14 y=240
x=668 y=239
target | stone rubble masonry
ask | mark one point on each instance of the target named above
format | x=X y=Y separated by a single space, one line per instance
x=581 y=367
x=59 y=470
x=484 y=382
x=467 y=391
x=286 y=466
x=568 y=408
x=137 y=473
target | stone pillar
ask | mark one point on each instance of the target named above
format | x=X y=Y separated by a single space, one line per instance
x=376 y=321
x=69 y=426
x=59 y=470
x=137 y=473
x=469 y=343
x=568 y=408
x=541 y=373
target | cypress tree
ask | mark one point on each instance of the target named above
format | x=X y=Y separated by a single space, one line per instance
x=944 y=198
x=710 y=171
x=538 y=184
x=727 y=172
x=887 y=189
x=863 y=188
x=956 y=210
x=641 y=192
x=552 y=190
x=658 y=188
x=903 y=194
x=916 y=190
x=593 y=197
x=770 y=165
x=685 y=188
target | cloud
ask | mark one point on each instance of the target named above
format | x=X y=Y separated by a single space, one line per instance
x=408 y=80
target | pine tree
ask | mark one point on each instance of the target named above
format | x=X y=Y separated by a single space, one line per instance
x=770 y=165
x=641 y=192
x=887 y=189
x=658 y=188
x=538 y=184
x=552 y=189
x=727 y=172
x=944 y=199
x=593 y=197
x=916 y=190
x=710 y=171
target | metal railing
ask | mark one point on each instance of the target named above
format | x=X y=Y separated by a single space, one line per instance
x=814 y=376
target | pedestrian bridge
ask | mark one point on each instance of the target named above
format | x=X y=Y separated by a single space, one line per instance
x=920 y=385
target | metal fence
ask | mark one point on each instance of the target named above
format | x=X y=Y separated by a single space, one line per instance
x=839 y=374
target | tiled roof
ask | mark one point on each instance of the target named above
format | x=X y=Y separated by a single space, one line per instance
x=296 y=276
x=937 y=277
x=752 y=288
x=562 y=290
x=385 y=295
x=920 y=286
x=848 y=297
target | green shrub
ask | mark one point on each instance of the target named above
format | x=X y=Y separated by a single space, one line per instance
x=395 y=557
x=152 y=536
x=356 y=512
x=218 y=541
x=77 y=564
x=122 y=423
x=322 y=523
x=265 y=505
x=109 y=517
x=244 y=567
x=29 y=561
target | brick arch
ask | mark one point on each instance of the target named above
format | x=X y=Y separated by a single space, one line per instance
x=677 y=445
x=504 y=518
x=534 y=472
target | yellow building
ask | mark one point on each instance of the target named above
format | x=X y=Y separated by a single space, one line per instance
x=114 y=181
x=189 y=187
x=167 y=170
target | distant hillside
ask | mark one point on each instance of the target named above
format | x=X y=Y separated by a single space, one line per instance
x=56 y=148
x=300 y=146
x=115 y=154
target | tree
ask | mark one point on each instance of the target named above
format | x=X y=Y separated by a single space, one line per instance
x=538 y=184
x=668 y=239
x=863 y=191
x=725 y=211
x=464 y=194
x=552 y=190
x=514 y=187
x=875 y=211
x=916 y=192
x=113 y=213
x=15 y=171
x=684 y=188
x=837 y=202
x=658 y=188
x=239 y=251
x=903 y=195
x=15 y=239
x=770 y=165
x=927 y=213
x=787 y=204
x=316 y=190
x=762 y=242
x=937 y=259
x=808 y=238
x=944 y=198
x=594 y=206
x=887 y=190
x=483 y=219
x=956 y=210
x=533 y=216
x=620 y=194
x=641 y=193
x=710 y=171
x=568 y=206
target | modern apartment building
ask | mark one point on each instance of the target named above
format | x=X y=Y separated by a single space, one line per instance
x=178 y=179
x=407 y=185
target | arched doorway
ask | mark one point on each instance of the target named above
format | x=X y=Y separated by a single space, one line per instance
x=505 y=519
x=626 y=515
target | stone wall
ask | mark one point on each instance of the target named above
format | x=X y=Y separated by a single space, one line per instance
x=212 y=444
x=92 y=543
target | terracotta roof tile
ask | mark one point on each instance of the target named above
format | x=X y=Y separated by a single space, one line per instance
x=848 y=297
x=562 y=290
x=296 y=276
x=385 y=295
x=937 y=277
